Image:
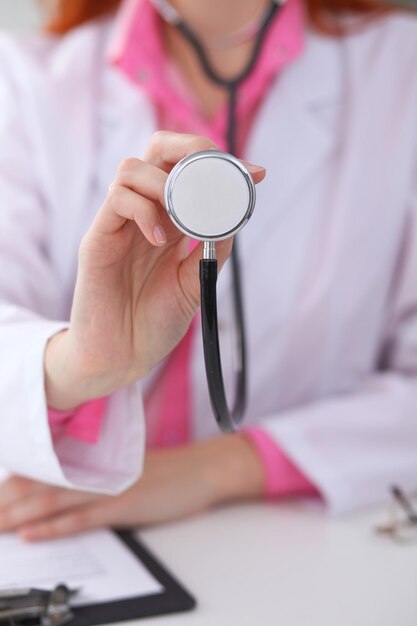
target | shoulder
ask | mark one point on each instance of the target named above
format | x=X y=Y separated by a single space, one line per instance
x=24 y=59
x=384 y=48
x=390 y=40
x=397 y=30
x=375 y=62
x=386 y=42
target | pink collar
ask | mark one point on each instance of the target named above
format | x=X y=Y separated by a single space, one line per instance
x=137 y=50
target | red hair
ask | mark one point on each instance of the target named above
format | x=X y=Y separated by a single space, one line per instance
x=323 y=13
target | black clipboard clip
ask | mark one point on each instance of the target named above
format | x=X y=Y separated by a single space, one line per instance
x=46 y=608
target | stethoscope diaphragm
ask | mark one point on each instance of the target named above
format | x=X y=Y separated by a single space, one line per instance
x=210 y=195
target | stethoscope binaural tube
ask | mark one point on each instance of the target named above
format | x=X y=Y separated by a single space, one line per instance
x=210 y=196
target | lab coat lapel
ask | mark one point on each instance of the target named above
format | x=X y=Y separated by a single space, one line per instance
x=126 y=120
x=66 y=113
x=293 y=134
x=64 y=121
x=98 y=105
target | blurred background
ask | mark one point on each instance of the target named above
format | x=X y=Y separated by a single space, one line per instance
x=21 y=15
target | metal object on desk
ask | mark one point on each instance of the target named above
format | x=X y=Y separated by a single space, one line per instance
x=403 y=523
x=48 y=608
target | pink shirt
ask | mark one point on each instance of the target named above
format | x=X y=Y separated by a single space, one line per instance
x=137 y=50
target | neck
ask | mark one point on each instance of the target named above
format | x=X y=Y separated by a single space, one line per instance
x=212 y=19
x=218 y=18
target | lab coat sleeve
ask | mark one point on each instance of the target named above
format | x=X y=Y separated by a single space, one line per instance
x=354 y=447
x=29 y=301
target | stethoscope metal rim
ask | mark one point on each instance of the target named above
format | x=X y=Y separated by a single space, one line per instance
x=176 y=171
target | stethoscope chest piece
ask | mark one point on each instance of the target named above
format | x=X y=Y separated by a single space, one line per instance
x=210 y=195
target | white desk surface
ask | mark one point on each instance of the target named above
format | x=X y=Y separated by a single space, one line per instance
x=284 y=565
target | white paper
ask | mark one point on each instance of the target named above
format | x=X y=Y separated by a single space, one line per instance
x=98 y=563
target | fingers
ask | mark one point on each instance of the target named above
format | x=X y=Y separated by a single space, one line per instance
x=123 y=204
x=257 y=172
x=40 y=505
x=107 y=511
x=95 y=512
x=142 y=177
x=166 y=148
x=76 y=520
x=38 y=511
x=137 y=195
x=16 y=488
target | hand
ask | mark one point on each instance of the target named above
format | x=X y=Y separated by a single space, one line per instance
x=137 y=286
x=176 y=483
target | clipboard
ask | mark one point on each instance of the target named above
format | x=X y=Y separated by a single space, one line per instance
x=173 y=599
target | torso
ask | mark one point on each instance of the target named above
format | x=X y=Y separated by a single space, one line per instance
x=320 y=256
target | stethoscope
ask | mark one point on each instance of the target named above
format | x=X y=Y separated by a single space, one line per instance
x=224 y=191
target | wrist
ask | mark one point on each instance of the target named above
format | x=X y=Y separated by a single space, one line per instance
x=68 y=383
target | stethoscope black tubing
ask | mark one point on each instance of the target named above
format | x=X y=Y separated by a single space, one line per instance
x=228 y=420
x=225 y=418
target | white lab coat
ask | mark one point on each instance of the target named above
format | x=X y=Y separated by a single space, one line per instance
x=329 y=258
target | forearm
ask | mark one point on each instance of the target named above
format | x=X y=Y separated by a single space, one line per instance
x=239 y=468
x=232 y=468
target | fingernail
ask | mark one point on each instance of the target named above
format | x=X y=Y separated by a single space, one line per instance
x=159 y=234
x=254 y=169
